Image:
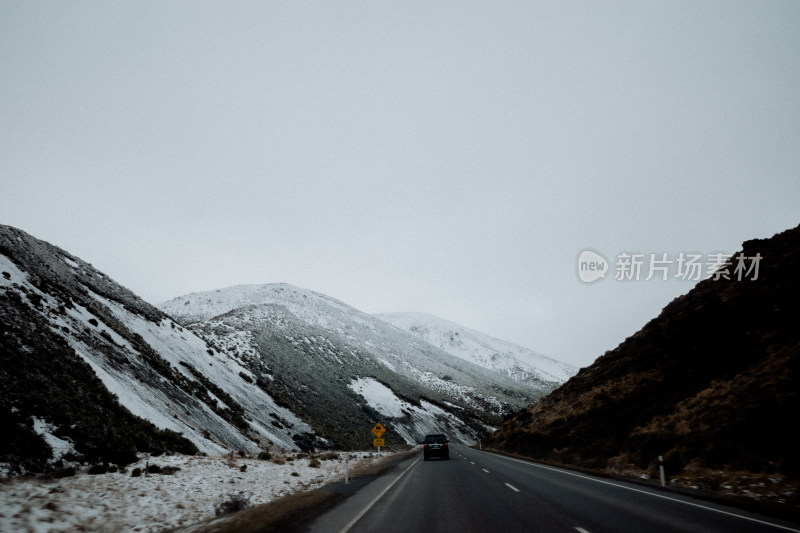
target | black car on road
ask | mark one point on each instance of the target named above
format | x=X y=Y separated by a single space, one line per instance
x=435 y=446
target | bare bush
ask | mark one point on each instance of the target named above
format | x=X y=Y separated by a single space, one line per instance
x=232 y=503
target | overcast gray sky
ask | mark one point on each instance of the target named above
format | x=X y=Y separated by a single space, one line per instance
x=452 y=158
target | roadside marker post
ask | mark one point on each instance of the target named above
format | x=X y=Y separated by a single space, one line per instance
x=661 y=469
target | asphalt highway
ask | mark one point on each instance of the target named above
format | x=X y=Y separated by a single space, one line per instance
x=477 y=491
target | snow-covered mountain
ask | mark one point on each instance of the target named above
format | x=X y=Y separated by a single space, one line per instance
x=517 y=362
x=299 y=338
x=89 y=369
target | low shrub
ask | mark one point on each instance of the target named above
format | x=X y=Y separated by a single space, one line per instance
x=136 y=472
x=314 y=463
x=97 y=469
x=63 y=472
x=233 y=503
x=265 y=456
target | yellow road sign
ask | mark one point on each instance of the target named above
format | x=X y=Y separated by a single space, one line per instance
x=378 y=442
x=378 y=430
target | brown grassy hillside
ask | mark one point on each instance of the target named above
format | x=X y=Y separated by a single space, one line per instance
x=711 y=384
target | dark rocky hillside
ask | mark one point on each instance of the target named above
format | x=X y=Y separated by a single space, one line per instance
x=712 y=384
x=41 y=376
x=90 y=372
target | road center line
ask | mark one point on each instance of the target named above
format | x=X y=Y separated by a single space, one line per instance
x=653 y=494
x=485 y=470
x=580 y=530
x=355 y=519
x=515 y=489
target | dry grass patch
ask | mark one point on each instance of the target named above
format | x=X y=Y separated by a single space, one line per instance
x=283 y=514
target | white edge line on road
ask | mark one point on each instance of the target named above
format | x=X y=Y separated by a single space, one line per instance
x=580 y=530
x=363 y=511
x=648 y=493
x=512 y=487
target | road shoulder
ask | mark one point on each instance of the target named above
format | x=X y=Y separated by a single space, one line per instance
x=315 y=510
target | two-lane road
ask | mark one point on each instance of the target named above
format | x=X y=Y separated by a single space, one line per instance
x=479 y=491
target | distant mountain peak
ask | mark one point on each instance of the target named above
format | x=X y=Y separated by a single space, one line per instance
x=348 y=346
x=204 y=305
x=516 y=361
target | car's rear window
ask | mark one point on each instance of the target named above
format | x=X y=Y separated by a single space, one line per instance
x=435 y=439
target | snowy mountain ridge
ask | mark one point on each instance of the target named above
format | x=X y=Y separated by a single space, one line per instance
x=342 y=340
x=91 y=372
x=199 y=306
x=516 y=361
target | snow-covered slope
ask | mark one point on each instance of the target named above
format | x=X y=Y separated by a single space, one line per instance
x=515 y=361
x=291 y=330
x=68 y=331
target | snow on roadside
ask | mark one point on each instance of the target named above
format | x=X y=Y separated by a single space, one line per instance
x=119 y=502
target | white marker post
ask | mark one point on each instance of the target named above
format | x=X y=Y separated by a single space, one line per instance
x=346 y=470
x=661 y=469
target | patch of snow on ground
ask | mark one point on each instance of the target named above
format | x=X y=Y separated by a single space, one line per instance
x=422 y=420
x=15 y=274
x=119 y=502
x=387 y=364
x=59 y=446
x=379 y=397
x=70 y=262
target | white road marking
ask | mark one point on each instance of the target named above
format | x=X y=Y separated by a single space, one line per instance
x=485 y=470
x=352 y=522
x=515 y=489
x=567 y=472
x=580 y=530
x=471 y=463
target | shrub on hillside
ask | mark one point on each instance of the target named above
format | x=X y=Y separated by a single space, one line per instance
x=232 y=503
x=97 y=469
